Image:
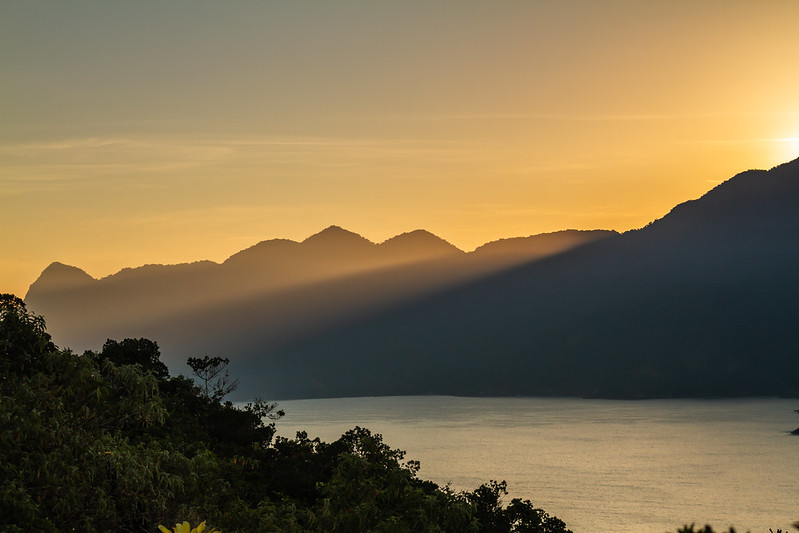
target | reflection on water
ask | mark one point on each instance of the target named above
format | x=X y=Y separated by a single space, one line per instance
x=600 y=465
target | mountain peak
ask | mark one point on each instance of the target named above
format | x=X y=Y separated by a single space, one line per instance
x=58 y=276
x=748 y=198
x=336 y=236
x=419 y=244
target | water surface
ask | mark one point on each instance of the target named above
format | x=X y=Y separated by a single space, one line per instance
x=599 y=465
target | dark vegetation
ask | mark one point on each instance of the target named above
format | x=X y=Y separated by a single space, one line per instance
x=708 y=529
x=108 y=441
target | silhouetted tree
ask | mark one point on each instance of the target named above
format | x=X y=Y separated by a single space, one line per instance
x=23 y=338
x=520 y=516
x=142 y=352
x=214 y=375
x=708 y=529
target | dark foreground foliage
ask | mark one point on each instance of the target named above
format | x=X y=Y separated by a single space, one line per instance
x=708 y=529
x=108 y=441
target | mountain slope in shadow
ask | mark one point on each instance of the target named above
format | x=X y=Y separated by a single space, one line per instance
x=699 y=303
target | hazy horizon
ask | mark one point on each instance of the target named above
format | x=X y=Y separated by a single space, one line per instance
x=150 y=133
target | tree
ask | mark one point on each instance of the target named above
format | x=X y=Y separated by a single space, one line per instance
x=520 y=516
x=71 y=457
x=23 y=338
x=214 y=375
x=142 y=352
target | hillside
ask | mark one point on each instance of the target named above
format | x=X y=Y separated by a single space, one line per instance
x=698 y=303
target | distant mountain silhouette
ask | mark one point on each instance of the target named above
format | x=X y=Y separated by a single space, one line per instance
x=58 y=277
x=701 y=302
x=338 y=240
x=418 y=245
x=275 y=290
x=542 y=245
x=263 y=253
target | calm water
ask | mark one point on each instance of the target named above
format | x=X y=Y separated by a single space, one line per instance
x=599 y=465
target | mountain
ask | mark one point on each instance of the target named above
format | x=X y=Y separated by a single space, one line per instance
x=698 y=303
x=338 y=240
x=418 y=245
x=269 y=293
x=58 y=277
x=542 y=245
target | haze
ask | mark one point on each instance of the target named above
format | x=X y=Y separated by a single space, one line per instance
x=170 y=132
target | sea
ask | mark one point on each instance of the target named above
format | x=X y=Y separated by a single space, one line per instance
x=614 y=466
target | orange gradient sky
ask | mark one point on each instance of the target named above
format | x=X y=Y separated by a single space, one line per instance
x=164 y=132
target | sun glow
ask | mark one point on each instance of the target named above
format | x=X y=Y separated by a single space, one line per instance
x=787 y=148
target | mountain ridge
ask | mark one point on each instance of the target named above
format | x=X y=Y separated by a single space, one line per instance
x=698 y=302
x=672 y=309
x=333 y=276
x=269 y=247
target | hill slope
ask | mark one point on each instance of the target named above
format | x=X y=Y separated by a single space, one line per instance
x=698 y=303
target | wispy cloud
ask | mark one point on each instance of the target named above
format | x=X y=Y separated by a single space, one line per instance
x=572 y=117
x=151 y=161
x=159 y=161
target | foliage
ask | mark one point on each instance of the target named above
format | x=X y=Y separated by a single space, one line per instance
x=65 y=420
x=185 y=527
x=108 y=441
x=370 y=489
x=22 y=338
x=142 y=352
x=214 y=375
x=708 y=529
x=519 y=516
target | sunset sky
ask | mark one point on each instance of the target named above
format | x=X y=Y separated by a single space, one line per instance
x=165 y=132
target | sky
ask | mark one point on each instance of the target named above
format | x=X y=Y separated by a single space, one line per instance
x=166 y=132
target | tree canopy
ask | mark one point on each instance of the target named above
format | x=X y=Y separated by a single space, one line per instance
x=213 y=373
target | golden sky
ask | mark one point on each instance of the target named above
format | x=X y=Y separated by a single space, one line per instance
x=164 y=132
